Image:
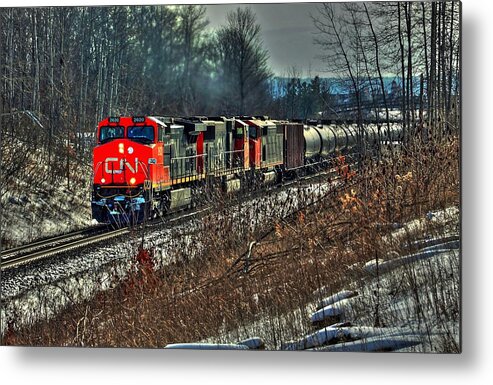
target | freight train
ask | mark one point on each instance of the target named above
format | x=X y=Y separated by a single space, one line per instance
x=146 y=166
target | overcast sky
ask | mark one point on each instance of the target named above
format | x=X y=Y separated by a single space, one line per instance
x=287 y=32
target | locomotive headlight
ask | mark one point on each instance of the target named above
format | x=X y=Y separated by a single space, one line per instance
x=103 y=180
x=132 y=180
x=130 y=150
x=121 y=150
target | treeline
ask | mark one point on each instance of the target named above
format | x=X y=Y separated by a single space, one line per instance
x=416 y=42
x=302 y=98
x=72 y=66
x=68 y=67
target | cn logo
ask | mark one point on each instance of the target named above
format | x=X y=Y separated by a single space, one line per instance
x=123 y=163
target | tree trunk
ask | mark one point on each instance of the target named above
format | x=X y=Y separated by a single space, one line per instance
x=377 y=60
x=410 y=87
x=431 y=87
x=403 y=81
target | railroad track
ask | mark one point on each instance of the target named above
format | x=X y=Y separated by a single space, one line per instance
x=56 y=245
x=66 y=242
x=53 y=240
x=63 y=243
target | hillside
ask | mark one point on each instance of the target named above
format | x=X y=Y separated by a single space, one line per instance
x=36 y=198
x=260 y=268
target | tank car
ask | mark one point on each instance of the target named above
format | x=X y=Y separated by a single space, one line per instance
x=325 y=140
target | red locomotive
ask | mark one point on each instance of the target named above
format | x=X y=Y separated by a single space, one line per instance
x=146 y=166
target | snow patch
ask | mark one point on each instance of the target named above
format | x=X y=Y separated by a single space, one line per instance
x=343 y=294
x=198 y=346
x=334 y=310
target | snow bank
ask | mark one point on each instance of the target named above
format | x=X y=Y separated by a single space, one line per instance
x=333 y=333
x=446 y=220
x=343 y=294
x=198 y=346
x=253 y=343
x=425 y=243
x=389 y=300
x=385 y=266
x=373 y=344
x=334 y=310
x=451 y=245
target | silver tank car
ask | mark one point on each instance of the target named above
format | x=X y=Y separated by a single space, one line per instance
x=325 y=140
x=313 y=142
x=329 y=141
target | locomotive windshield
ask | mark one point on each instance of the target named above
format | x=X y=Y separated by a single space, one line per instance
x=144 y=134
x=107 y=133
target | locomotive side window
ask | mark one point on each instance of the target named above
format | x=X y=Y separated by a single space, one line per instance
x=238 y=133
x=210 y=134
x=107 y=133
x=167 y=154
x=160 y=133
x=252 y=132
x=143 y=134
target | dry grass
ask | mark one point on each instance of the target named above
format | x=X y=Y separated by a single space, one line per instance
x=236 y=271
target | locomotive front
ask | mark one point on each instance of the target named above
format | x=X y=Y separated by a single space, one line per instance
x=123 y=158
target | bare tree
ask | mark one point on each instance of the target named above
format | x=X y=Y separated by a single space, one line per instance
x=194 y=51
x=378 y=66
x=341 y=52
x=243 y=61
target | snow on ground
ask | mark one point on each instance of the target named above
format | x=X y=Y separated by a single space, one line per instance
x=32 y=207
x=40 y=290
x=412 y=305
x=208 y=346
x=43 y=212
x=419 y=299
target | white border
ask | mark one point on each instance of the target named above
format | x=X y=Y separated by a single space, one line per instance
x=474 y=365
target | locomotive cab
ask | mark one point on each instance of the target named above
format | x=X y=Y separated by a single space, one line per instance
x=128 y=165
x=144 y=166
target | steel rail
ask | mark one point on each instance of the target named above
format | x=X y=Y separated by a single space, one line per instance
x=16 y=259
x=44 y=248
x=48 y=241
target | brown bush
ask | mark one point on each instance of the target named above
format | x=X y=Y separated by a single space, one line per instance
x=232 y=270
